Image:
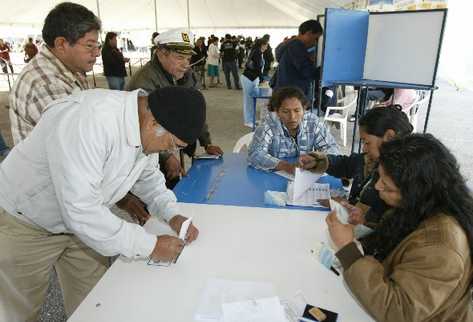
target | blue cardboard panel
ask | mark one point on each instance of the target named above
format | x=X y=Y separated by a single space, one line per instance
x=346 y=33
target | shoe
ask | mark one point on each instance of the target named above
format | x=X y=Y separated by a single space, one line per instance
x=238 y=88
x=352 y=118
x=250 y=125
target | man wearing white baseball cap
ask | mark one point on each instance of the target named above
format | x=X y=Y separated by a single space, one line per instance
x=170 y=66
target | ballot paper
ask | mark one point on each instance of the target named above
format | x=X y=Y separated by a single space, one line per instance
x=285 y=174
x=342 y=212
x=207 y=156
x=255 y=310
x=184 y=227
x=310 y=197
x=303 y=180
x=218 y=292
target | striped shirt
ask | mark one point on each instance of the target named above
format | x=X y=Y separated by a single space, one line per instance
x=272 y=141
x=44 y=79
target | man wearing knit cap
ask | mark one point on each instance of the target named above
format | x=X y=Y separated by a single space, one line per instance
x=84 y=155
x=170 y=67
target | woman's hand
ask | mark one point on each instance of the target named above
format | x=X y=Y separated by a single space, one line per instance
x=341 y=234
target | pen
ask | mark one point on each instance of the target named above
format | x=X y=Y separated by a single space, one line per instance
x=334 y=270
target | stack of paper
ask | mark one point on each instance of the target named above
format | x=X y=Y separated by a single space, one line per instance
x=259 y=310
x=218 y=292
x=305 y=191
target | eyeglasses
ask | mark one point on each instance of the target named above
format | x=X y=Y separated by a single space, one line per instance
x=91 y=47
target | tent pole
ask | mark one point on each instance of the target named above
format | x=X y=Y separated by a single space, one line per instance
x=155 y=16
x=98 y=14
x=188 y=16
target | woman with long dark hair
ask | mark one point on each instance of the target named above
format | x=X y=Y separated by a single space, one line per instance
x=377 y=126
x=113 y=62
x=416 y=266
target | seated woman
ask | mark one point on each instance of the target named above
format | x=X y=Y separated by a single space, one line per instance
x=287 y=132
x=378 y=125
x=416 y=266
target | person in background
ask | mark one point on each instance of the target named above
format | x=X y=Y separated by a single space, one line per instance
x=377 y=126
x=289 y=131
x=4 y=149
x=198 y=60
x=153 y=46
x=229 y=61
x=213 y=55
x=268 y=59
x=241 y=53
x=114 y=68
x=30 y=50
x=296 y=64
x=251 y=77
x=5 y=57
x=170 y=67
x=417 y=264
x=403 y=97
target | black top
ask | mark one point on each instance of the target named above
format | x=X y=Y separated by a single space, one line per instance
x=254 y=64
x=199 y=56
x=268 y=60
x=228 y=50
x=113 y=62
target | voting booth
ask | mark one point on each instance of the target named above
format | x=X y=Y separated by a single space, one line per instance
x=398 y=49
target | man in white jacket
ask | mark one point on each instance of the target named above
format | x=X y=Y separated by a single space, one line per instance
x=56 y=188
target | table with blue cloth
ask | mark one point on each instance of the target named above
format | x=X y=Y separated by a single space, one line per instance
x=230 y=181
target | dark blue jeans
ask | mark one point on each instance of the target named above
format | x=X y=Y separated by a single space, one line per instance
x=228 y=67
x=116 y=82
x=3 y=145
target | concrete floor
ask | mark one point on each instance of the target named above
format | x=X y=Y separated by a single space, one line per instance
x=451 y=121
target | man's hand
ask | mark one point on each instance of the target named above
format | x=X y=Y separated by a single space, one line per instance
x=135 y=208
x=172 y=167
x=316 y=161
x=286 y=166
x=192 y=231
x=341 y=234
x=167 y=248
x=214 y=150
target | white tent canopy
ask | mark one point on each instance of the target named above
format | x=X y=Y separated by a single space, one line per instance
x=128 y=15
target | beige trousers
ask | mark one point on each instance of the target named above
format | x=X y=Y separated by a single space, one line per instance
x=28 y=254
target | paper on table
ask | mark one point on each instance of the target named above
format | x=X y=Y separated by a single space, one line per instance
x=184 y=227
x=303 y=180
x=285 y=174
x=220 y=291
x=310 y=197
x=342 y=212
x=257 y=310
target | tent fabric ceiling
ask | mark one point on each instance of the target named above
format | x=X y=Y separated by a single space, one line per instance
x=212 y=14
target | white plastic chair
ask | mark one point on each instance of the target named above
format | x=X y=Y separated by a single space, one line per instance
x=245 y=140
x=341 y=115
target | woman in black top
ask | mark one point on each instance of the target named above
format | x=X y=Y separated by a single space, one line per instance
x=378 y=125
x=250 y=79
x=113 y=62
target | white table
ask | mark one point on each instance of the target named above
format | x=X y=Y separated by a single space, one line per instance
x=235 y=243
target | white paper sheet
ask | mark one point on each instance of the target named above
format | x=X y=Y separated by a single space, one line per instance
x=257 y=310
x=310 y=197
x=184 y=227
x=303 y=180
x=285 y=174
x=220 y=291
x=342 y=212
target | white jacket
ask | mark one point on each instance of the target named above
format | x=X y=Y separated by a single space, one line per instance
x=84 y=155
